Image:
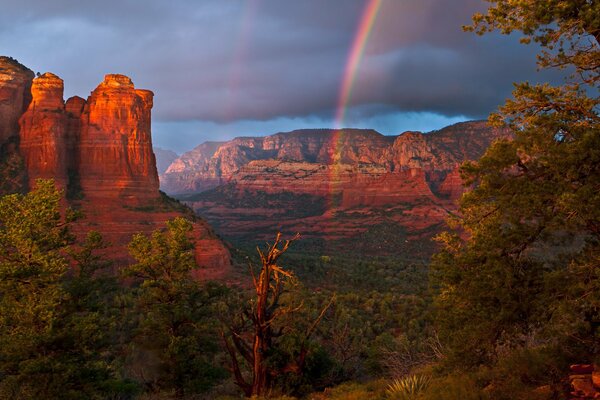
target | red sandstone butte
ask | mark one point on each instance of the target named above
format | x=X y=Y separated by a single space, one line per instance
x=15 y=84
x=43 y=134
x=118 y=177
x=100 y=152
x=115 y=146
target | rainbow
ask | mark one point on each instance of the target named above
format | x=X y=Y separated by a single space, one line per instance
x=356 y=52
x=367 y=21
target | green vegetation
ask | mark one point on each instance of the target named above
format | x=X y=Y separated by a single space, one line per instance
x=54 y=326
x=510 y=300
x=513 y=308
x=74 y=189
x=70 y=330
x=12 y=176
x=174 y=333
x=165 y=203
x=301 y=205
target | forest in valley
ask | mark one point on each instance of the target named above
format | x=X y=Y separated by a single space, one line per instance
x=508 y=307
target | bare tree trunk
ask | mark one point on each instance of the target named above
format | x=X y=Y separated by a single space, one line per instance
x=269 y=286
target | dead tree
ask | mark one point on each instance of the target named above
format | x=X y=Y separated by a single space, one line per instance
x=261 y=314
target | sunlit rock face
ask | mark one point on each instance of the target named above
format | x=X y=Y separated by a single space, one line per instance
x=15 y=95
x=99 y=151
x=44 y=140
x=214 y=163
x=115 y=146
x=349 y=155
x=332 y=185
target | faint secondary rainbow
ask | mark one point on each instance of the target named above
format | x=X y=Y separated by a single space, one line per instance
x=246 y=25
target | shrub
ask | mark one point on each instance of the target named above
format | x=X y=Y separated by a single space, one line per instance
x=408 y=387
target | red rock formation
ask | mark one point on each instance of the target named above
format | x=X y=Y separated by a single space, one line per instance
x=15 y=84
x=43 y=134
x=391 y=188
x=115 y=145
x=335 y=184
x=193 y=171
x=117 y=173
x=212 y=164
x=452 y=185
x=74 y=108
x=100 y=152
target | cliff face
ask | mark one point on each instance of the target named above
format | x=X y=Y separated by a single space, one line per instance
x=212 y=164
x=115 y=143
x=363 y=151
x=43 y=135
x=194 y=171
x=15 y=95
x=331 y=184
x=100 y=152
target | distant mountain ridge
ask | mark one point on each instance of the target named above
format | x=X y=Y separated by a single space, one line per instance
x=356 y=187
x=164 y=158
x=214 y=163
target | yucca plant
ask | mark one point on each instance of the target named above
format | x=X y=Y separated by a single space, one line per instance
x=408 y=387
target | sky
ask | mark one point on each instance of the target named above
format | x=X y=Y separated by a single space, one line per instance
x=226 y=68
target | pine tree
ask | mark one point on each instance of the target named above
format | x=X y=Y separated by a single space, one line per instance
x=174 y=340
x=54 y=325
x=522 y=268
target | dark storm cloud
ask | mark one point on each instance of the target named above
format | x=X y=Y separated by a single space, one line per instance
x=226 y=61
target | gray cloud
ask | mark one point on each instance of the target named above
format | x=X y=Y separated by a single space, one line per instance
x=222 y=62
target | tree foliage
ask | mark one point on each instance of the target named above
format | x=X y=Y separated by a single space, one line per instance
x=54 y=326
x=521 y=270
x=568 y=31
x=173 y=335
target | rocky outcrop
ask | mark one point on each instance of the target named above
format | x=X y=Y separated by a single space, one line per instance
x=101 y=146
x=100 y=152
x=115 y=146
x=15 y=95
x=214 y=163
x=43 y=130
x=436 y=153
x=334 y=184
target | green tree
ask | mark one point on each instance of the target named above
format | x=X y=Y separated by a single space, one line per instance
x=522 y=268
x=568 y=31
x=50 y=323
x=92 y=324
x=173 y=341
x=32 y=236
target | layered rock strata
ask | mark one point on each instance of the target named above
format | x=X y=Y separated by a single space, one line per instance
x=437 y=154
x=332 y=184
x=15 y=95
x=115 y=145
x=43 y=130
x=99 y=151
